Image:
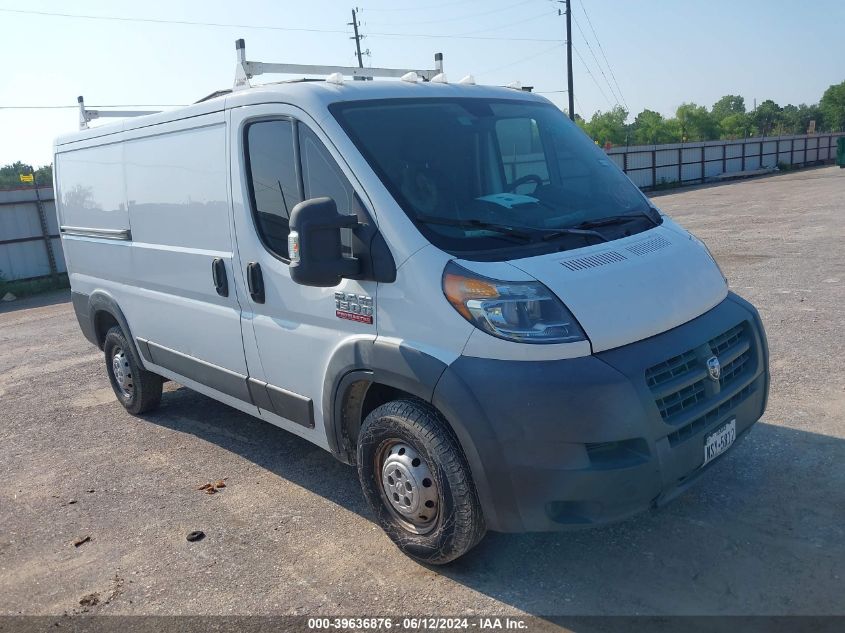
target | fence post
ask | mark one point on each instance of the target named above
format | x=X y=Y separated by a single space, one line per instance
x=681 y=165
x=777 y=153
x=792 y=151
x=724 y=157
x=625 y=161
x=702 y=162
x=653 y=167
x=743 y=156
x=45 y=233
x=763 y=142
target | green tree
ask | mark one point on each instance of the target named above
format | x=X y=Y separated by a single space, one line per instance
x=697 y=124
x=10 y=175
x=44 y=175
x=727 y=106
x=609 y=126
x=735 y=125
x=674 y=130
x=649 y=128
x=832 y=107
x=767 y=117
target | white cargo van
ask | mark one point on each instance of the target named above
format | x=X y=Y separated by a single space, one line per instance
x=445 y=284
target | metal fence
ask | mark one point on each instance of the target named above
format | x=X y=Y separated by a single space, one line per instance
x=30 y=247
x=650 y=166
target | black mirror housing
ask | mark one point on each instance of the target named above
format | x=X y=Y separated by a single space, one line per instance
x=315 y=246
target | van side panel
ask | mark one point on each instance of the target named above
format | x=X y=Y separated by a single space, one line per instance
x=91 y=188
x=177 y=193
x=90 y=198
x=167 y=185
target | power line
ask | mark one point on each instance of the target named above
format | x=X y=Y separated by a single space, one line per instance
x=115 y=18
x=578 y=103
x=601 y=49
x=595 y=81
x=473 y=16
x=598 y=64
x=519 y=61
x=507 y=26
x=425 y=8
x=59 y=107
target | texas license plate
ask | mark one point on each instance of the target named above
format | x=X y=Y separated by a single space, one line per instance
x=719 y=441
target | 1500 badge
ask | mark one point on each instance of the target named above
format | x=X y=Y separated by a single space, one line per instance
x=353 y=307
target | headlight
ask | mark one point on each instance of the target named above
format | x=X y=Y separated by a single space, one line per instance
x=522 y=311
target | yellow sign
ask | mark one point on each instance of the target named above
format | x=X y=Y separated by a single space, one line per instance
x=27 y=178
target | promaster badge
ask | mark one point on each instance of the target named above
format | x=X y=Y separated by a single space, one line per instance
x=353 y=307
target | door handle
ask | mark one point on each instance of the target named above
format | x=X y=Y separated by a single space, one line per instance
x=218 y=274
x=255 y=281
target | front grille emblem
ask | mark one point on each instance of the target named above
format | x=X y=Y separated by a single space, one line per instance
x=714 y=368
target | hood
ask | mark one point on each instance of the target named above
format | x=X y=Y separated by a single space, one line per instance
x=633 y=288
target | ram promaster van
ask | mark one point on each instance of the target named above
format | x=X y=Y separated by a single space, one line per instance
x=446 y=285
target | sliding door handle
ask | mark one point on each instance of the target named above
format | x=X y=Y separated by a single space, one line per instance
x=218 y=274
x=255 y=280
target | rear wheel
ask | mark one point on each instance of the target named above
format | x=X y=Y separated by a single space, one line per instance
x=417 y=482
x=137 y=389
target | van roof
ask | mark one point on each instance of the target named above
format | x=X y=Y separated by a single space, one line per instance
x=312 y=96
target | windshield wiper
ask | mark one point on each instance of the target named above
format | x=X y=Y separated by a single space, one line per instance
x=613 y=219
x=550 y=234
x=504 y=229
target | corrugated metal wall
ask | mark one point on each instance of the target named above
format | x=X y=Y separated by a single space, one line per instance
x=25 y=235
x=653 y=165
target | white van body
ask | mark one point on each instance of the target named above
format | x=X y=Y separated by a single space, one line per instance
x=555 y=435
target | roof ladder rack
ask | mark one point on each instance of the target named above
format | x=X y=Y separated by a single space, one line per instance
x=86 y=116
x=245 y=69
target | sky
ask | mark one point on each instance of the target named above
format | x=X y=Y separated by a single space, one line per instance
x=652 y=54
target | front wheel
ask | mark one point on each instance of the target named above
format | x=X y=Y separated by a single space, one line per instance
x=417 y=482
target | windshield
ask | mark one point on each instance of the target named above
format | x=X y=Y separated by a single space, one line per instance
x=481 y=175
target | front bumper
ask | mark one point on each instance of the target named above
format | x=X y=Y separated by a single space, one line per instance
x=561 y=444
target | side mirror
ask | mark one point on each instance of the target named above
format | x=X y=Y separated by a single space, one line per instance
x=314 y=245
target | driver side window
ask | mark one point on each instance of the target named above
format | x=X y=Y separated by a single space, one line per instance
x=273 y=181
x=522 y=152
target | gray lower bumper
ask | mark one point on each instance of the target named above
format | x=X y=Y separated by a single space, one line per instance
x=562 y=444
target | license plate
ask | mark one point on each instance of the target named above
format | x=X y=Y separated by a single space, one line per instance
x=719 y=441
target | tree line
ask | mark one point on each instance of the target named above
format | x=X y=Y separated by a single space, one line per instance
x=727 y=119
x=10 y=175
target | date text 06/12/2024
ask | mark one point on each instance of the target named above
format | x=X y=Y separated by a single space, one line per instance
x=418 y=623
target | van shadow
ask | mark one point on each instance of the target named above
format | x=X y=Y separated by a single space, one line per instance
x=41 y=300
x=762 y=533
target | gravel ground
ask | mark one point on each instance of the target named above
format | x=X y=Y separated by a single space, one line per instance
x=290 y=533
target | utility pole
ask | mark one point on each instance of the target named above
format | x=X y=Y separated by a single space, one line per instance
x=569 y=59
x=357 y=38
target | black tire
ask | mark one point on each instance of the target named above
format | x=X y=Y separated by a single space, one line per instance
x=139 y=390
x=459 y=522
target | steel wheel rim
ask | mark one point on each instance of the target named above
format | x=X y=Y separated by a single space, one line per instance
x=408 y=487
x=122 y=373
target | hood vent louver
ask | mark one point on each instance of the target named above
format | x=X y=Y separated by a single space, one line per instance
x=649 y=246
x=592 y=261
